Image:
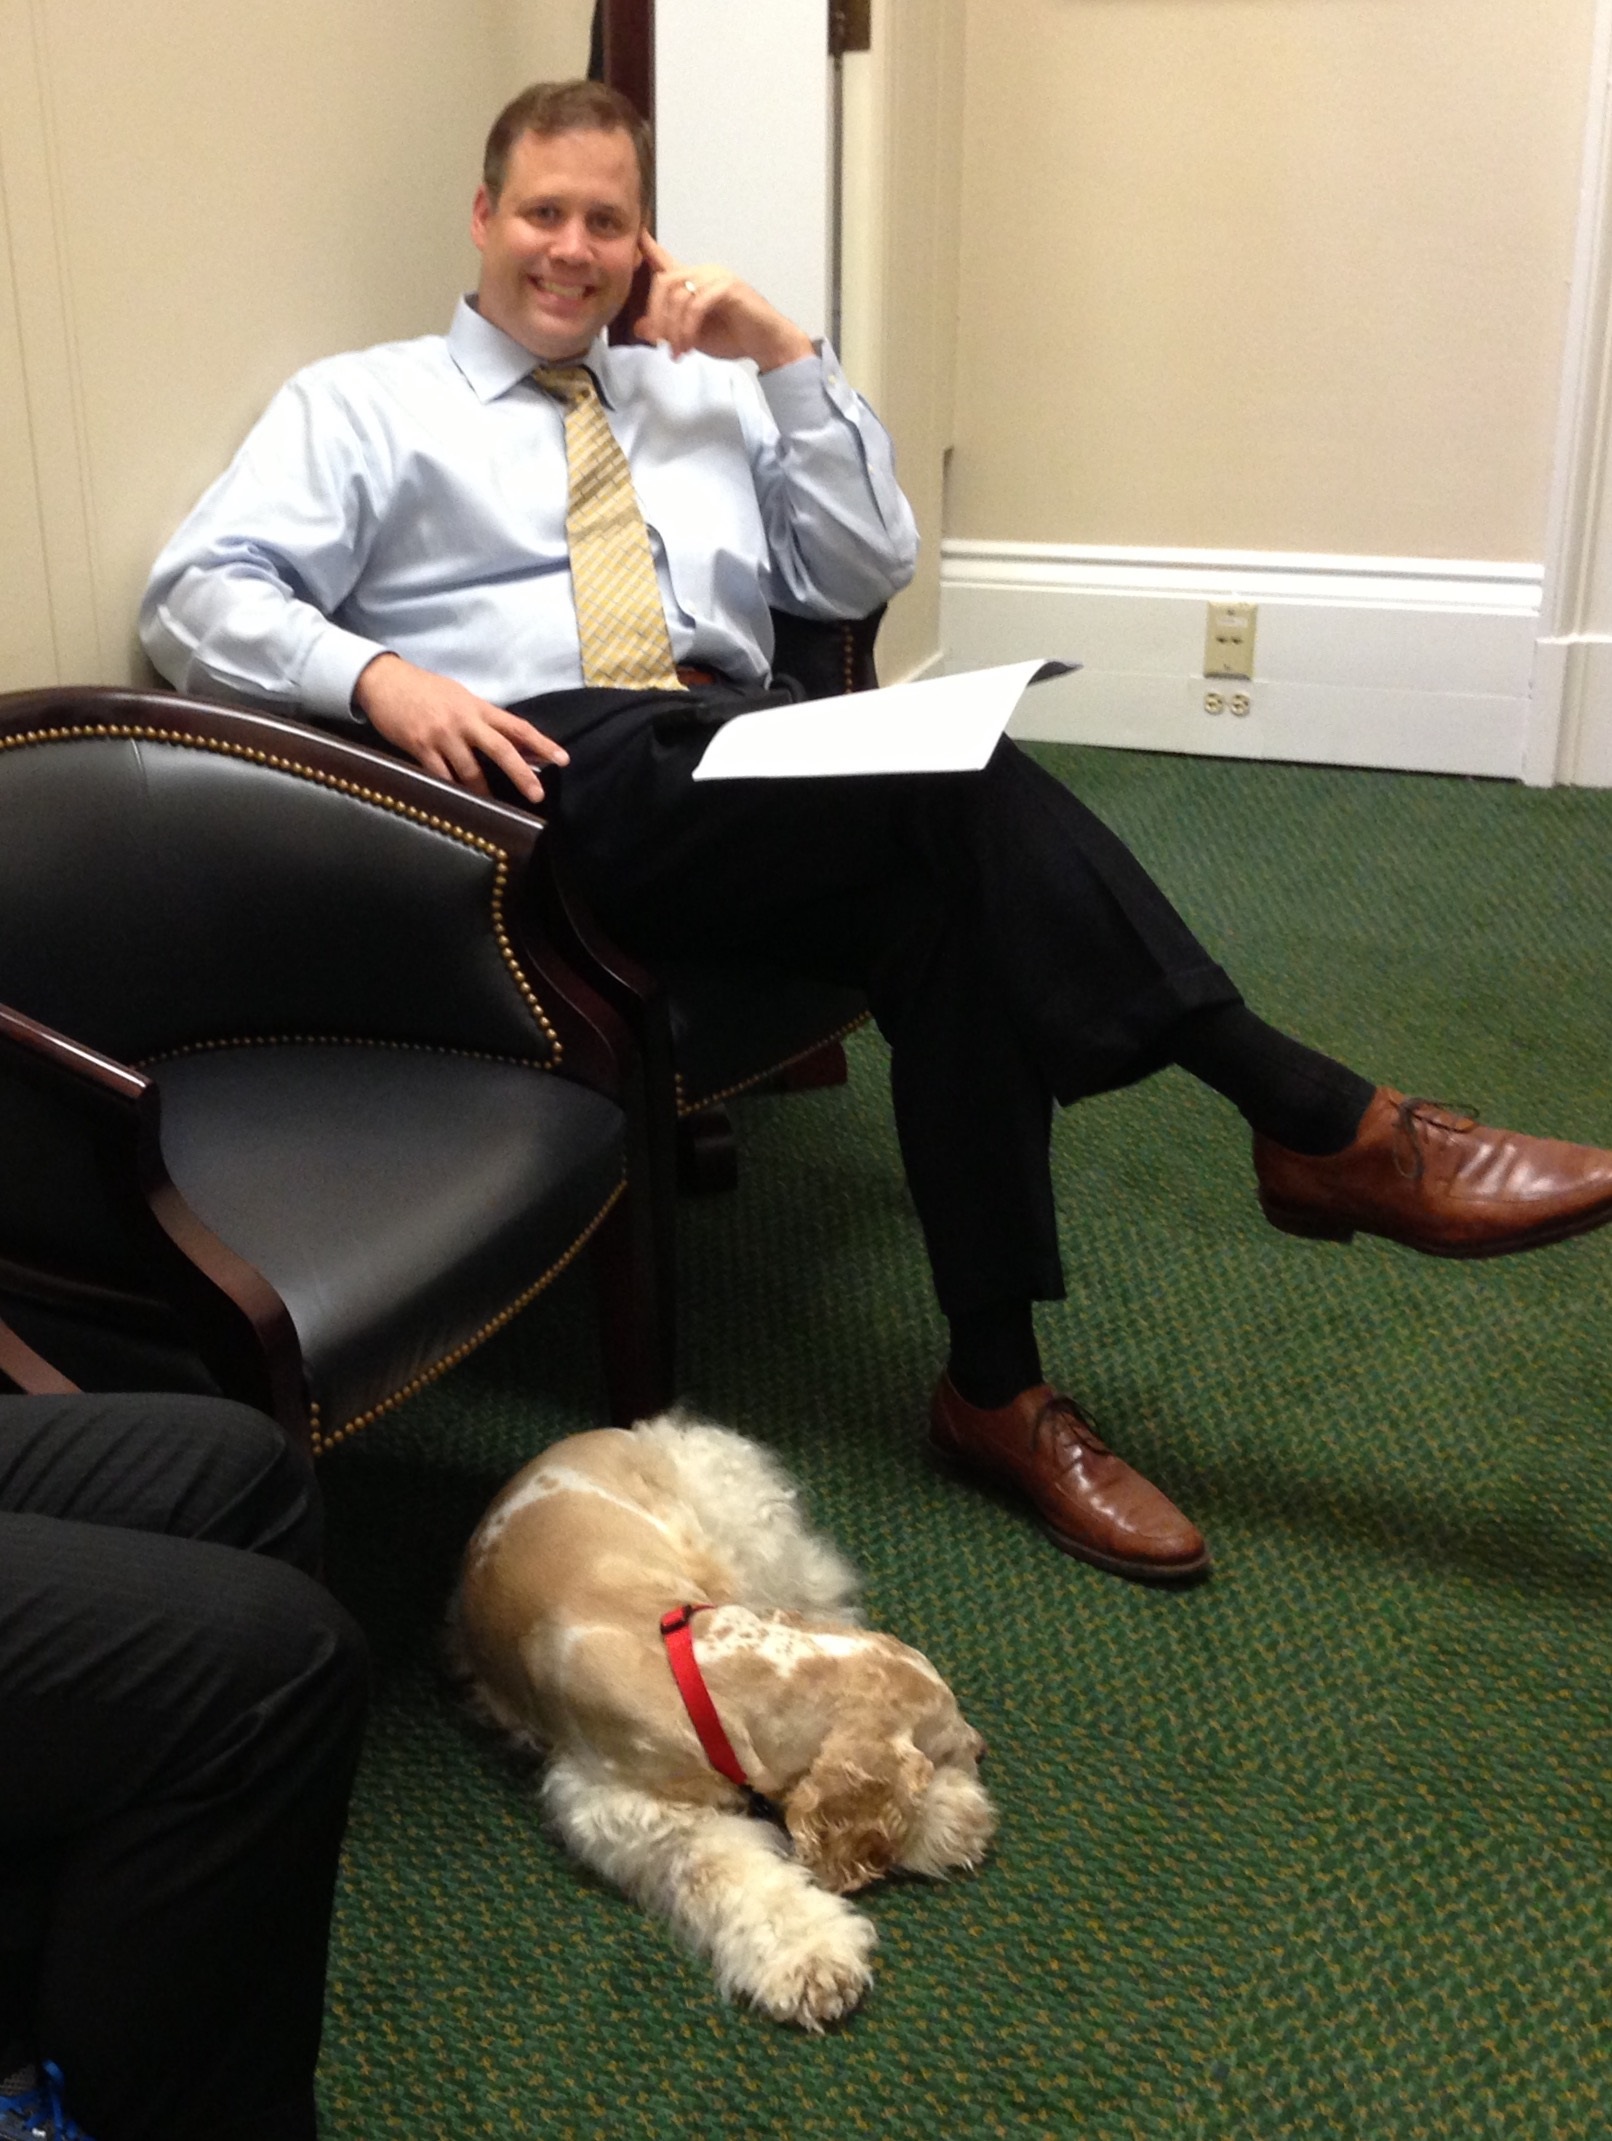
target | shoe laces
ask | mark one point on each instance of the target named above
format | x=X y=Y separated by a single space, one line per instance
x=37 y=2114
x=1061 y=1422
x=1409 y=1157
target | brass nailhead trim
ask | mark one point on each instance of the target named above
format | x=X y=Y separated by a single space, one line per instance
x=336 y=1040
x=320 y=1442
x=134 y=732
x=685 y=1106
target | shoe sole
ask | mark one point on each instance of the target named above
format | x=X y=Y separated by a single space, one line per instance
x=1311 y=1226
x=1167 y=1576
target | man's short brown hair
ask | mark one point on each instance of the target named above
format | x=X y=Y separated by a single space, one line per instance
x=567 y=108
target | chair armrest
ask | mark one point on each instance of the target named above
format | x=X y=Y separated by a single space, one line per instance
x=558 y=911
x=80 y=1136
x=368 y=900
x=24 y=1370
x=635 y=1001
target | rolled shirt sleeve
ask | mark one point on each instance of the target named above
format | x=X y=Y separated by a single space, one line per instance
x=840 y=534
x=240 y=603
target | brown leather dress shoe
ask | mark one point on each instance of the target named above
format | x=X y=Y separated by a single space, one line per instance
x=1434 y=1179
x=1091 y=1503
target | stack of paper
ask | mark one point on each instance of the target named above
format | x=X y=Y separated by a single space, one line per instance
x=947 y=724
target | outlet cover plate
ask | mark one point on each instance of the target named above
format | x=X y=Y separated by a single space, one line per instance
x=1228 y=643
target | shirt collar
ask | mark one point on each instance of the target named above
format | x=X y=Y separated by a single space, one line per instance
x=493 y=362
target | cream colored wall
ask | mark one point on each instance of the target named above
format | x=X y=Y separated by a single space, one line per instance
x=1283 y=274
x=903 y=113
x=198 y=199
x=27 y=650
x=1268 y=274
x=544 y=40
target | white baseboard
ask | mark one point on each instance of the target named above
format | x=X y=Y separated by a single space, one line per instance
x=1417 y=664
x=1573 y=710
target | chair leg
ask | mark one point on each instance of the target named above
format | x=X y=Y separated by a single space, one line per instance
x=707 y=1153
x=635 y=1344
x=707 y=1156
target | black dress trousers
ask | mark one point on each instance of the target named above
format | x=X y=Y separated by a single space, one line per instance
x=1014 y=951
x=183 y=1706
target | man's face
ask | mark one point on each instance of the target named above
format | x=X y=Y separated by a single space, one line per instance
x=559 y=245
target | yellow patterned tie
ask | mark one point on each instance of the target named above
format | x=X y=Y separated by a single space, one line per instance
x=620 y=621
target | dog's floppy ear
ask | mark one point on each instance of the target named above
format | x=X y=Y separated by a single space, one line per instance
x=850 y=1814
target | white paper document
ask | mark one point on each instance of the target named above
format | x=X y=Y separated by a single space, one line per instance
x=946 y=724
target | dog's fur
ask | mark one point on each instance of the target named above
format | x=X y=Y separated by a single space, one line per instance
x=855 y=1738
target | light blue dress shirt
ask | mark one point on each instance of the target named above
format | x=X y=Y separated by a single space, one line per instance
x=412 y=499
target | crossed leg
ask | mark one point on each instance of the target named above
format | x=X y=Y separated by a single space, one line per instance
x=1016 y=954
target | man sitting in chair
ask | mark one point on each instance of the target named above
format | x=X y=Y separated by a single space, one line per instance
x=517 y=550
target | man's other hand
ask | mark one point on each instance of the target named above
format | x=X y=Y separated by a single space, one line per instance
x=711 y=310
x=448 y=730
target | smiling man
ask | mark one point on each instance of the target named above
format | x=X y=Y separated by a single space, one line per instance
x=559 y=238
x=390 y=546
x=558 y=221
x=518 y=550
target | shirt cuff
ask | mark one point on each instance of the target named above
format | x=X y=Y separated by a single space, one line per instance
x=335 y=662
x=796 y=393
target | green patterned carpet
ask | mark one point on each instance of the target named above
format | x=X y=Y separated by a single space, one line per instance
x=1320 y=1848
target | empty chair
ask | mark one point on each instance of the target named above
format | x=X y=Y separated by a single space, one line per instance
x=297 y=1100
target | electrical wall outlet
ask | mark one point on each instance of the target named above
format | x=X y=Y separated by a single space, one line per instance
x=1228 y=646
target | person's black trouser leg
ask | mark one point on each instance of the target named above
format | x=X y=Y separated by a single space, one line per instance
x=183 y=1706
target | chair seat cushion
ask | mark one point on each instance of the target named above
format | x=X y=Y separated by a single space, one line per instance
x=734 y=1023
x=397 y=1199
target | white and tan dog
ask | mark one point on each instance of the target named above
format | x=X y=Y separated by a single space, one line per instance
x=856 y=1739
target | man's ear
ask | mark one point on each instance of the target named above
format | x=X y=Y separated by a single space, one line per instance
x=481 y=209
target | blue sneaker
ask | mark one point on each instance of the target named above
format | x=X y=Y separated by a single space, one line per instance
x=34 y=2113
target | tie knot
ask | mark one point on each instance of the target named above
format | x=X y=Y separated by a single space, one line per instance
x=570 y=383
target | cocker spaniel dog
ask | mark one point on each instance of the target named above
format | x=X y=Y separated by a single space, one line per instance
x=573 y=1630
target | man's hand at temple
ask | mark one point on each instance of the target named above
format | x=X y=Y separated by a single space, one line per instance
x=709 y=309
x=449 y=731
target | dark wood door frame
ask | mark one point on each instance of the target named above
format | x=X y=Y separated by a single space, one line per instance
x=622 y=53
x=623 y=50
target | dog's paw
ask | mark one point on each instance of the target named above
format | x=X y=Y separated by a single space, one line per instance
x=817 y=1975
x=951 y=1829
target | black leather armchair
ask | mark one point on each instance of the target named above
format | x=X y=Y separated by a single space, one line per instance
x=297 y=1100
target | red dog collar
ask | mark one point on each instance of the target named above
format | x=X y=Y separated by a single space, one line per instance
x=678 y=1637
